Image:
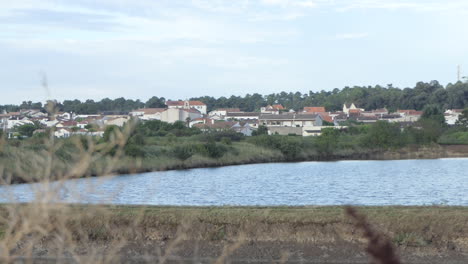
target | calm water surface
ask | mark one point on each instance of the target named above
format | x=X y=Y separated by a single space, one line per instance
x=397 y=182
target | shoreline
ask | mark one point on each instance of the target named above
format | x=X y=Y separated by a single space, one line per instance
x=408 y=153
x=421 y=153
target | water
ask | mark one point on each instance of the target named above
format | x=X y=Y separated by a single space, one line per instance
x=396 y=182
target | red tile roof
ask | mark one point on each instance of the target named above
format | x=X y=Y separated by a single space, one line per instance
x=278 y=106
x=318 y=109
x=326 y=117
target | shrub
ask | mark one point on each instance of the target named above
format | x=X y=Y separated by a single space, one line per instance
x=457 y=138
x=183 y=152
x=133 y=150
x=215 y=150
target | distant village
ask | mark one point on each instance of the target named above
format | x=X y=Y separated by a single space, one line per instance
x=308 y=122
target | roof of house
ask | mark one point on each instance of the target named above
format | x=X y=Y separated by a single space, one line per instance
x=181 y=103
x=150 y=111
x=192 y=110
x=69 y=123
x=410 y=112
x=326 y=117
x=278 y=106
x=367 y=118
x=391 y=116
x=289 y=116
x=315 y=109
x=381 y=110
x=229 y=109
x=243 y=114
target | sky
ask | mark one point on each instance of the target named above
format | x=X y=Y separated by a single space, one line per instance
x=93 y=49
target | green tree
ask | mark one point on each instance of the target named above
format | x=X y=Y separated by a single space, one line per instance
x=383 y=135
x=433 y=112
x=463 y=119
x=327 y=142
x=109 y=132
x=262 y=130
x=26 y=130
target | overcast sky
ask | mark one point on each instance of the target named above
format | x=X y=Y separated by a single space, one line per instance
x=184 y=48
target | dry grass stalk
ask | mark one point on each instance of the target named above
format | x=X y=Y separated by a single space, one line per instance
x=379 y=247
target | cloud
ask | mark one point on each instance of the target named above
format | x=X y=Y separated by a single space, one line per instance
x=291 y=3
x=413 y=5
x=351 y=36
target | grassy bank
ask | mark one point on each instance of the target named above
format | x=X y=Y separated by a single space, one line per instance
x=156 y=146
x=153 y=231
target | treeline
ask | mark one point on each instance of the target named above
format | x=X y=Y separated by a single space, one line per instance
x=90 y=106
x=453 y=96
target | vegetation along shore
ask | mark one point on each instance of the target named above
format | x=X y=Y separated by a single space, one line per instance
x=156 y=145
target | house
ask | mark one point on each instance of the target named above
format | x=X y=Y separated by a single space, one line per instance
x=314 y=110
x=244 y=128
x=452 y=115
x=62 y=133
x=291 y=120
x=380 y=111
x=409 y=115
x=317 y=131
x=84 y=132
x=272 y=109
x=243 y=116
x=326 y=117
x=216 y=126
x=64 y=124
x=172 y=115
x=148 y=113
x=348 y=107
x=367 y=119
x=201 y=120
x=31 y=113
x=64 y=116
x=240 y=127
x=115 y=121
x=200 y=106
x=221 y=113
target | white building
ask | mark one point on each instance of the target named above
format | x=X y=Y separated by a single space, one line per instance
x=62 y=133
x=172 y=115
x=201 y=107
x=148 y=113
x=291 y=120
x=452 y=115
x=222 y=112
x=352 y=106
x=116 y=121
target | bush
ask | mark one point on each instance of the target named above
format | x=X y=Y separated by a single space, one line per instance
x=383 y=135
x=457 y=138
x=183 y=152
x=226 y=140
x=290 y=147
x=262 y=130
x=215 y=150
x=133 y=150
